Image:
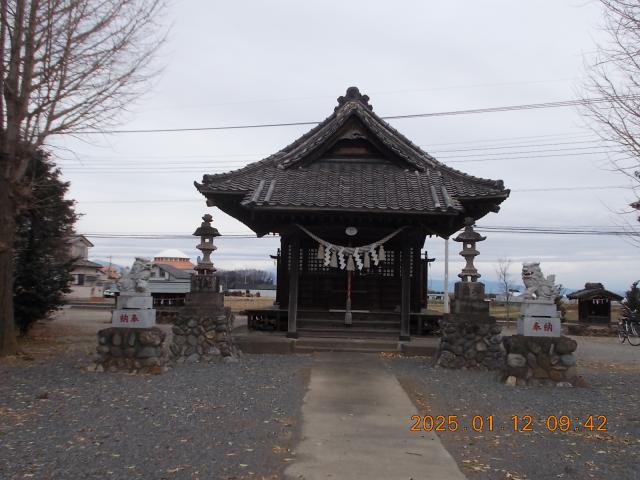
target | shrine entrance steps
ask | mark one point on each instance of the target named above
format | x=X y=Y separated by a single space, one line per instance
x=364 y=325
x=278 y=343
x=363 y=345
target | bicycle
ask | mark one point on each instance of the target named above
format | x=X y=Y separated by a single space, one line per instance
x=628 y=327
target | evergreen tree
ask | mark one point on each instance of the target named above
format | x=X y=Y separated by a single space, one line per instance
x=632 y=298
x=42 y=258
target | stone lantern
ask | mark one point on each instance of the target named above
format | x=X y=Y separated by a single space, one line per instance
x=202 y=328
x=469 y=237
x=206 y=233
x=471 y=338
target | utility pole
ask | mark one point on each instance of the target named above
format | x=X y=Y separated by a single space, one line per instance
x=446 y=276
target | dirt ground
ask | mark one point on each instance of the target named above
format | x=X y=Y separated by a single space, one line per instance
x=69 y=329
x=226 y=421
x=57 y=351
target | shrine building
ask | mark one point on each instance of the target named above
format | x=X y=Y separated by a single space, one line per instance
x=594 y=303
x=353 y=201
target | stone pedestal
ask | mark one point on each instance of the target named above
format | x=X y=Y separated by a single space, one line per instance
x=134 y=310
x=202 y=335
x=202 y=328
x=133 y=343
x=470 y=336
x=541 y=361
x=137 y=350
x=539 y=318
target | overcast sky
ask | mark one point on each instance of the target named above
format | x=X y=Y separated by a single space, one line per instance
x=235 y=63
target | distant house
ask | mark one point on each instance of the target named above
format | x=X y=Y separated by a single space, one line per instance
x=88 y=278
x=594 y=303
x=169 y=285
x=110 y=272
x=174 y=258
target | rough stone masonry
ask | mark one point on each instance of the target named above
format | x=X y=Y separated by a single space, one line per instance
x=541 y=361
x=470 y=337
x=133 y=350
x=201 y=334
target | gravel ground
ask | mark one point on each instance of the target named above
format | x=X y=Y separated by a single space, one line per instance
x=611 y=371
x=222 y=421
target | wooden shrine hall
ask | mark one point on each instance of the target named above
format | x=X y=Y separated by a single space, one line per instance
x=353 y=201
x=594 y=303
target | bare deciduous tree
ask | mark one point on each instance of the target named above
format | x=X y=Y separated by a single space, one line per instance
x=67 y=65
x=504 y=278
x=614 y=79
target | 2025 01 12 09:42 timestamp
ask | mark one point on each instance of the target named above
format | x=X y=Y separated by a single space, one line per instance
x=519 y=423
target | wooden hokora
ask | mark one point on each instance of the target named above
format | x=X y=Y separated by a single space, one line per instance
x=355 y=173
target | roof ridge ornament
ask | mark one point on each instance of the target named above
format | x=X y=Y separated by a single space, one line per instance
x=353 y=95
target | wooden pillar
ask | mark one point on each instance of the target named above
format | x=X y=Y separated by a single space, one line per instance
x=405 y=305
x=294 y=275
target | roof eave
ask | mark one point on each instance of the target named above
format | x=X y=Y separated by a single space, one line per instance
x=297 y=208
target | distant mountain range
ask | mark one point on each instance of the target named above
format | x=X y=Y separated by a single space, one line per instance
x=490 y=286
x=437 y=284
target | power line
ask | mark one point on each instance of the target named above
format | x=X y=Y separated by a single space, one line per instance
x=530 y=145
x=527 y=157
x=493 y=156
x=143 y=170
x=428 y=145
x=511 y=139
x=93 y=159
x=558 y=189
x=181 y=159
x=506 y=108
x=545 y=150
x=376 y=93
x=200 y=200
x=544 y=230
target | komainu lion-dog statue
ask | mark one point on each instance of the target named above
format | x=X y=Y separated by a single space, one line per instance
x=135 y=279
x=537 y=286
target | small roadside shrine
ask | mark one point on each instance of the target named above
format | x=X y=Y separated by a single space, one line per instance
x=594 y=303
x=353 y=201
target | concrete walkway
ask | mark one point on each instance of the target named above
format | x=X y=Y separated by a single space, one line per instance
x=355 y=425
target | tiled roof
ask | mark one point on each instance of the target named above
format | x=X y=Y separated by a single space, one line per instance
x=413 y=182
x=182 y=264
x=178 y=273
x=593 y=290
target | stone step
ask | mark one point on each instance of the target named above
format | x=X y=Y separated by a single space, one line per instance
x=367 y=343
x=338 y=315
x=349 y=332
x=327 y=323
x=340 y=348
x=364 y=345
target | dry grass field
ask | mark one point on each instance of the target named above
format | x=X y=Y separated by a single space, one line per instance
x=238 y=304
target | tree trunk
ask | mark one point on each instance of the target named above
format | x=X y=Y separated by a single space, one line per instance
x=8 y=343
